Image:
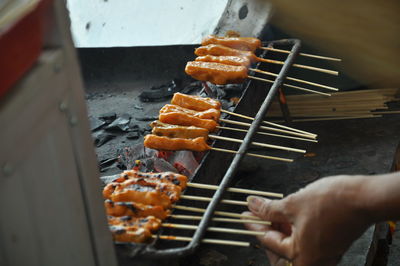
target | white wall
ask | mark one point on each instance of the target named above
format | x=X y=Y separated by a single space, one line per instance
x=107 y=23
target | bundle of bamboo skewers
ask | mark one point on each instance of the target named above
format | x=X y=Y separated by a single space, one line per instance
x=342 y=105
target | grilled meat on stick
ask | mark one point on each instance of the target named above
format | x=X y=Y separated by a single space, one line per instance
x=226 y=60
x=129 y=229
x=239 y=43
x=185 y=119
x=211 y=113
x=174 y=131
x=141 y=191
x=134 y=209
x=193 y=102
x=216 y=73
x=219 y=50
x=174 y=144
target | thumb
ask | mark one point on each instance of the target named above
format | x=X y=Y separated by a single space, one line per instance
x=266 y=209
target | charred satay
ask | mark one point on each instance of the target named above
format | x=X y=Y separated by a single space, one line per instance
x=211 y=113
x=218 y=50
x=227 y=60
x=216 y=73
x=134 y=209
x=185 y=119
x=150 y=223
x=174 y=144
x=137 y=235
x=239 y=43
x=168 y=177
x=174 y=131
x=151 y=193
x=193 y=102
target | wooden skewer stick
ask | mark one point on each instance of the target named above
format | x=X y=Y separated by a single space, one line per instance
x=268 y=128
x=296 y=79
x=255 y=155
x=233 y=202
x=302 y=54
x=220 y=213
x=217 y=219
x=205 y=240
x=215 y=229
x=323 y=70
x=258 y=144
x=268 y=134
x=290 y=86
x=270 y=123
x=237 y=190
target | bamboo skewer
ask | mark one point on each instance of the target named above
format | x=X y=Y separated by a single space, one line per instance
x=254 y=155
x=205 y=240
x=217 y=219
x=302 y=54
x=290 y=86
x=233 y=202
x=268 y=134
x=237 y=190
x=323 y=70
x=295 y=79
x=220 y=213
x=215 y=229
x=268 y=128
x=258 y=144
x=270 y=123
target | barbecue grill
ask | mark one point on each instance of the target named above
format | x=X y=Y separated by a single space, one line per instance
x=113 y=86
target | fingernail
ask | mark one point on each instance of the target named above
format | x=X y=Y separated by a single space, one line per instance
x=254 y=203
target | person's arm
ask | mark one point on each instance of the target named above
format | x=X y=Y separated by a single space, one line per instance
x=317 y=224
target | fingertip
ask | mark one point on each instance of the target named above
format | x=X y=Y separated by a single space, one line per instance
x=255 y=203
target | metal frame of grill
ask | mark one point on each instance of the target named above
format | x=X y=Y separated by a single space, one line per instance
x=152 y=252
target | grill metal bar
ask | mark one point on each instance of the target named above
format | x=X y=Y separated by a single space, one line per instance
x=150 y=251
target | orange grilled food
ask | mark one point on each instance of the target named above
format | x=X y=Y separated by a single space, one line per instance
x=150 y=223
x=227 y=60
x=141 y=191
x=185 y=119
x=239 y=43
x=174 y=131
x=218 y=50
x=167 y=177
x=133 y=235
x=193 y=102
x=174 y=144
x=134 y=209
x=215 y=72
x=211 y=113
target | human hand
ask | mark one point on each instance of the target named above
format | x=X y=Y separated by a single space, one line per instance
x=315 y=225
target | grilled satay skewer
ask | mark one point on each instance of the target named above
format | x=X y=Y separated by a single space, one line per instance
x=199 y=103
x=243 y=61
x=181 y=180
x=216 y=49
x=183 y=132
x=222 y=74
x=252 y=44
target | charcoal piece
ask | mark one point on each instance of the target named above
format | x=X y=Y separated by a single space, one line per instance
x=108 y=117
x=103 y=138
x=145 y=129
x=196 y=85
x=133 y=135
x=160 y=93
x=121 y=123
x=95 y=123
x=147 y=118
x=108 y=162
x=137 y=107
